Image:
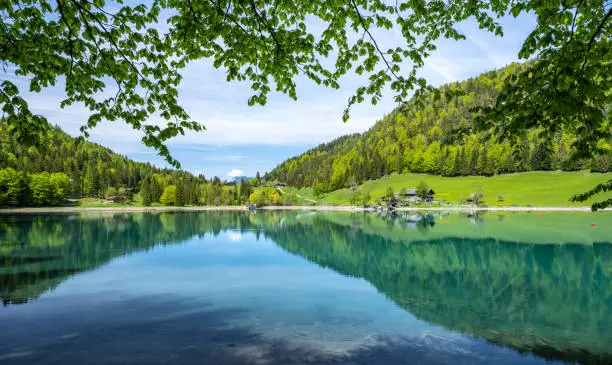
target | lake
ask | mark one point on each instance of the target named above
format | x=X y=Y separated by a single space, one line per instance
x=306 y=288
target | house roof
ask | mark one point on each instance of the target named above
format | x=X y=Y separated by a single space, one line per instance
x=414 y=192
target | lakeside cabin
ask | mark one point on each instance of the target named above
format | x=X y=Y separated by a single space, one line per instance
x=411 y=194
x=113 y=198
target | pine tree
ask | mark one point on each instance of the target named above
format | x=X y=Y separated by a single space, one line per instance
x=180 y=194
x=484 y=165
x=464 y=164
x=474 y=169
x=541 y=156
x=145 y=193
x=457 y=167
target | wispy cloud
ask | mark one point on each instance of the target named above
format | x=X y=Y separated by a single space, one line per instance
x=235 y=173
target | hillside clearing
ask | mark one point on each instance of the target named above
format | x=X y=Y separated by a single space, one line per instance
x=536 y=188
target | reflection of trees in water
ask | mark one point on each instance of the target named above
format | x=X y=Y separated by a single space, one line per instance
x=407 y=220
x=44 y=250
x=551 y=300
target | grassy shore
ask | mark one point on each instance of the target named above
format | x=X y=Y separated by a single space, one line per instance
x=116 y=208
x=529 y=191
x=338 y=208
x=538 y=188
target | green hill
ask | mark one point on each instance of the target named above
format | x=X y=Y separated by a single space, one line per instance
x=419 y=137
x=91 y=168
x=535 y=188
x=73 y=168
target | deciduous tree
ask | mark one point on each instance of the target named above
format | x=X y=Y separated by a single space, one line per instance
x=114 y=59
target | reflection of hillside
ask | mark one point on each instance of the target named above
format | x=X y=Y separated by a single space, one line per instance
x=38 y=253
x=551 y=300
x=549 y=227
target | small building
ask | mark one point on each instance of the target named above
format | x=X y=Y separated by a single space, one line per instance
x=280 y=185
x=408 y=193
x=411 y=194
x=230 y=183
x=113 y=198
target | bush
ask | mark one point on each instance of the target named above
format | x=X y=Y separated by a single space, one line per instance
x=422 y=190
x=318 y=190
x=10 y=187
x=168 y=197
x=365 y=199
x=48 y=189
x=258 y=198
x=289 y=199
x=111 y=191
x=356 y=197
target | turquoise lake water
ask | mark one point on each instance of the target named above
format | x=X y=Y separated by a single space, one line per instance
x=306 y=288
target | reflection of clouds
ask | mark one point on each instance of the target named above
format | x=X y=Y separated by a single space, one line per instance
x=283 y=297
x=234 y=236
x=187 y=332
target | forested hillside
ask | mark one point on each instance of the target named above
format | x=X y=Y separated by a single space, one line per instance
x=421 y=137
x=70 y=167
x=90 y=167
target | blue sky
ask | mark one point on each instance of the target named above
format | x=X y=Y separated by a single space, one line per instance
x=243 y=140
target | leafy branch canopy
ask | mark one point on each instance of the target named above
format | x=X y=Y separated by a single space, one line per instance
x=122 y=60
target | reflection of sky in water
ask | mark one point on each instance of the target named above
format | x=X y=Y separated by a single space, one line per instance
x=278 y=296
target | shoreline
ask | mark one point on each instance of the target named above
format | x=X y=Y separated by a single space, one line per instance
x=344 y=208
x=338 y=208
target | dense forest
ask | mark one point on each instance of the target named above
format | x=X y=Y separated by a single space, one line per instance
x=423 y=136
x=74 y=168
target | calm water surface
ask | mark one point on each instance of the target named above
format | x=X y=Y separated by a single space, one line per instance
x=306 y=288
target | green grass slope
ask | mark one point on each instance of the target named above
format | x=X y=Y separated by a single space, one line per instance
x=420 y=137
x=536 y=188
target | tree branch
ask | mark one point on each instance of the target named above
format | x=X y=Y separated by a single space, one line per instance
x=382 y=55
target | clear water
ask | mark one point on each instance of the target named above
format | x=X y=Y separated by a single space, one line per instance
x=306 y=288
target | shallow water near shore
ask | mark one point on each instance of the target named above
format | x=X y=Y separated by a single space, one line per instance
x=300 y=287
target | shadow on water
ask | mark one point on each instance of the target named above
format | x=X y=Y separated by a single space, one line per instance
x=551 y=300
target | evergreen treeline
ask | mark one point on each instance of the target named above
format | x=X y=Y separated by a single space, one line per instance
x=421 y=137
x=75 y=168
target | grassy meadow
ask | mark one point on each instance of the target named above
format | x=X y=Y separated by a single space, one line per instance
x=536 y=188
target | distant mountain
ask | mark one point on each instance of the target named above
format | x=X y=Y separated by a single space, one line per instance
x=419 y=137
x=239 y=179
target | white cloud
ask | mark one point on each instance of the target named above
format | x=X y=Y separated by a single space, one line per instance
x=235 y=173
x=444 y=67
x=234 y=236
